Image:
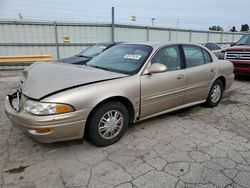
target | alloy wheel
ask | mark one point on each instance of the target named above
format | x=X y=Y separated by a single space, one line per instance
x=111 y=124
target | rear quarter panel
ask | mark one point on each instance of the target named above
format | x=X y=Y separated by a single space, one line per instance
x=226 y=69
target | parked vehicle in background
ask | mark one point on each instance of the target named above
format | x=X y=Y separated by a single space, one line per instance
x=215 y=48
x=126 y=83
x=239 y=55
x=87 y=54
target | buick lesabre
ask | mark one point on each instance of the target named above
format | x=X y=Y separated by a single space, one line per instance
x=125 y=84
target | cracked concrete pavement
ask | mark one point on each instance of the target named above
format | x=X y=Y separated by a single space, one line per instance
x=194 y=147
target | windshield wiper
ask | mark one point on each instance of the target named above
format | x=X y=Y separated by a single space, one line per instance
x=98 y=67
x=79 y=55
x=242 y=44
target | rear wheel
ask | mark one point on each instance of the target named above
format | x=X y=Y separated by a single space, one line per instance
x=215 y=94
x=108 y=123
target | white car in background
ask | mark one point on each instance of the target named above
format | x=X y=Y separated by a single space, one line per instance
x=215 y=48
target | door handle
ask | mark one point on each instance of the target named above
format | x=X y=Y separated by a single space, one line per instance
x=212 y=69
x=181 y=76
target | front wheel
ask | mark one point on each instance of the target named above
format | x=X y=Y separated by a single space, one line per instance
x=108 y=123
x=215 y=94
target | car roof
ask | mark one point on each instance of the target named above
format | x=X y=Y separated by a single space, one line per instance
x=160 y=43
x=108 y=43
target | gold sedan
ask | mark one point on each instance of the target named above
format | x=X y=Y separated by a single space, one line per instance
x=125 y=84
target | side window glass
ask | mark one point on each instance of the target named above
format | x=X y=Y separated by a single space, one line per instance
x=215 y=47
x=194 y=56
x=208 y=46
x=168 y=56
x=207 y=56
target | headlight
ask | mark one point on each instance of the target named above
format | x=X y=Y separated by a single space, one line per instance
x=40 y=108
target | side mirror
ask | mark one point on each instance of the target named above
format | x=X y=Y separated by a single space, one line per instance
x=156 y=68
x=233 y=44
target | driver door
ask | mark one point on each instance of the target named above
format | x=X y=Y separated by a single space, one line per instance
x=163 y=91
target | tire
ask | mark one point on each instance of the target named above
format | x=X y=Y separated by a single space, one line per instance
x=215 y=94
x=108 y=123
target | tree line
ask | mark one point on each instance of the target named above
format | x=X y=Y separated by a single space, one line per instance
x=244 y=28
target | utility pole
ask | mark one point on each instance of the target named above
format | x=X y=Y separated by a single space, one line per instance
x=113 y=25
x=152 y=19
x=177 y=27
x=56 y=40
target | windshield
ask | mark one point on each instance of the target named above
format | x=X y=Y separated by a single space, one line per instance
x=93 y=51
x=245 y=40
x=124 y=58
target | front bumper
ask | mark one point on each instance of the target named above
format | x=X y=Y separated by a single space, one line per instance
x=241 y=70
x=67 y=126
x=241 y=67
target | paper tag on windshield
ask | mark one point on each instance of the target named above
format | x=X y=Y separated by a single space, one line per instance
x=103 y=47
x=132 y=56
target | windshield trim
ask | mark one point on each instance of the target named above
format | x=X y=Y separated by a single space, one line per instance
x=242 y=38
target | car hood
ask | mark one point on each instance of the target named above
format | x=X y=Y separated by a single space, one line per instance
x=75 y=60
x=239 y=48
x=44 y=78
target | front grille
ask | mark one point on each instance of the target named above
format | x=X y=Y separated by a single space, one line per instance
x=242 y=65
x=237 y=55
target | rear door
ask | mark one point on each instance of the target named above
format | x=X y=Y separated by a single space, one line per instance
x=163 y=91
x=200 y=72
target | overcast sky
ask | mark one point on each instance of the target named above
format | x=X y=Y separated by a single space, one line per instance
x=189 y=14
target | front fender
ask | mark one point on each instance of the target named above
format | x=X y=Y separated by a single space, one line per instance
x=88 y=96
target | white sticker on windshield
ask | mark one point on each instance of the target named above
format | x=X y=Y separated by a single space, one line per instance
x=103 y=47
x=132 y=56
